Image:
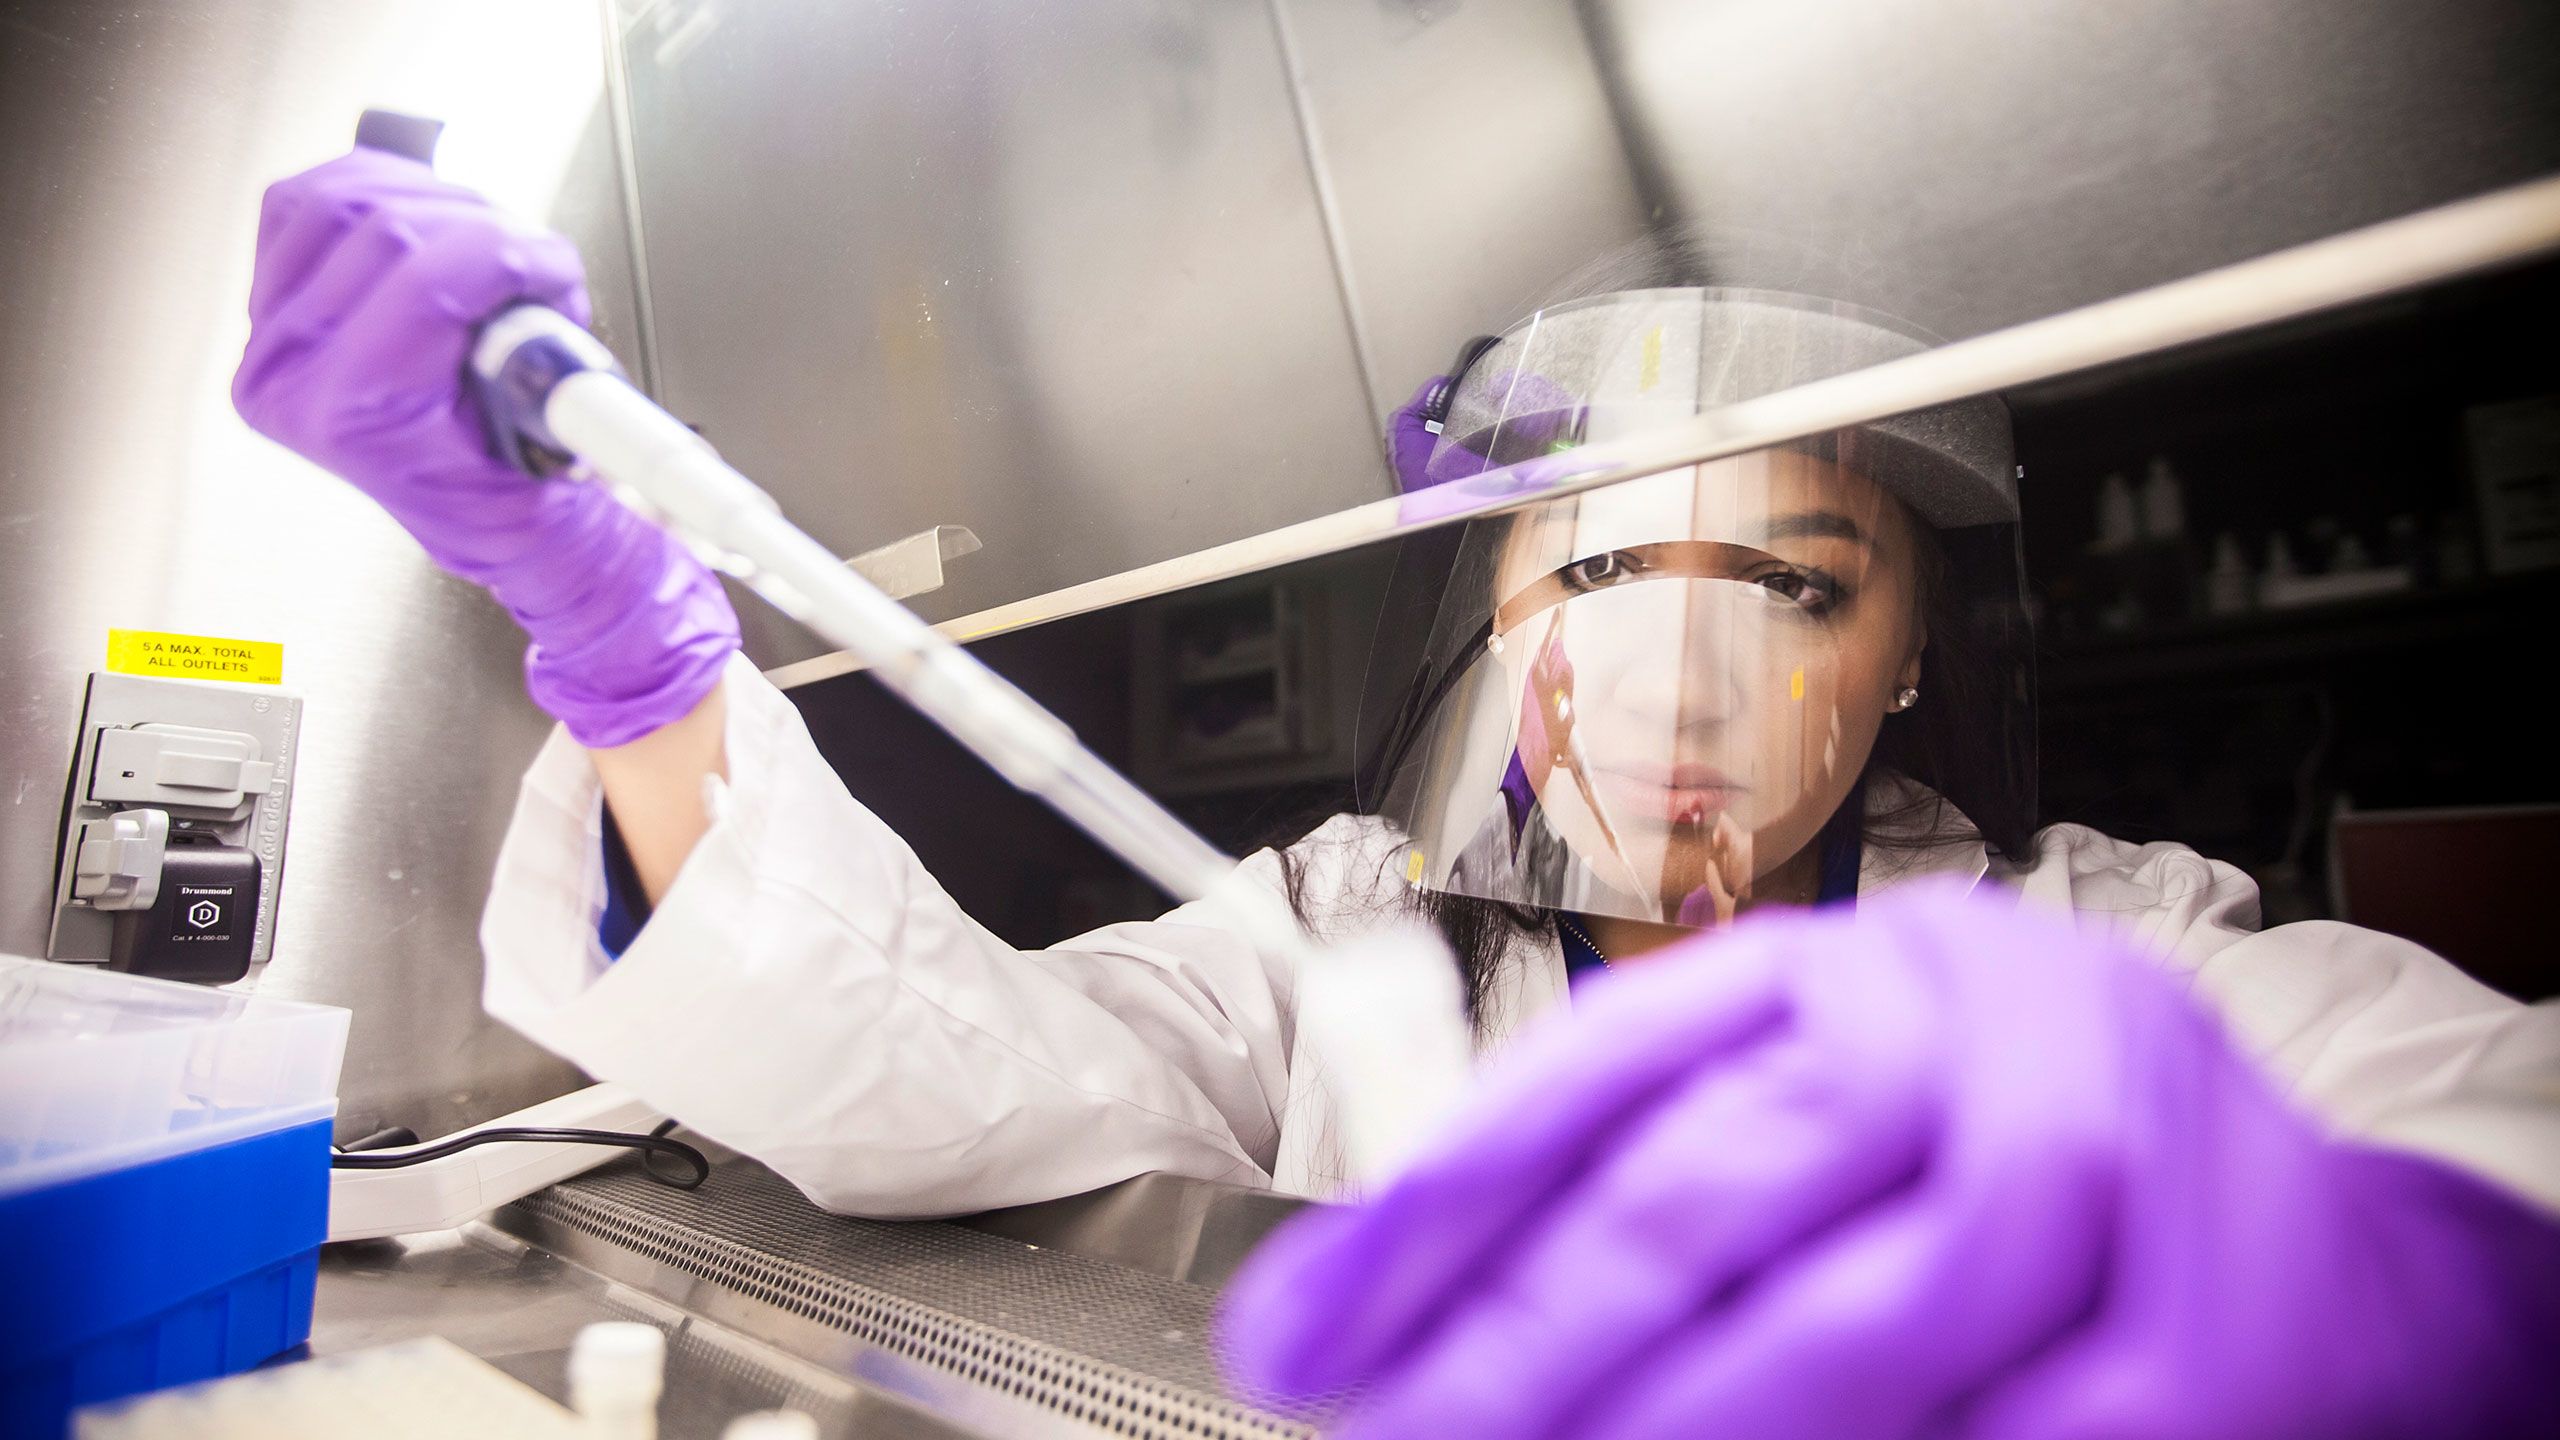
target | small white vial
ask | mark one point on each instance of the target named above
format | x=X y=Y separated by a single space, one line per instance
x=616 y=1370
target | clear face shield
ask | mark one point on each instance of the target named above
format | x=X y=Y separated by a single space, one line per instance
x=1645 y=700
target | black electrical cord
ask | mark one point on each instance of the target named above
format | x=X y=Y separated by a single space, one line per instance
x=650 y=1146
x=397 y=1135
x=679 y=1149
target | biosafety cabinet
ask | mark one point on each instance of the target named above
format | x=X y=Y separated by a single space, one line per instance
x=1127 y=291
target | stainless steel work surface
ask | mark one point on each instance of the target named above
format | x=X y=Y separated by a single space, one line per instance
x=520 y=1307
x=987 y=1330
x=1193 y=1230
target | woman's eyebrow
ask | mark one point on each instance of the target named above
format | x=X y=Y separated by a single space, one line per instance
x=1815 y=525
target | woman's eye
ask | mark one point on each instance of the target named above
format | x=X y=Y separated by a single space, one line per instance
x=1808 y=590
x=1598 y=571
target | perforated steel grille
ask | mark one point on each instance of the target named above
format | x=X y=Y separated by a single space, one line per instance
x=1119 y=1349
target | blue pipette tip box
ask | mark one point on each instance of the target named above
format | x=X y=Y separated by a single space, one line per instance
x=164 y=1184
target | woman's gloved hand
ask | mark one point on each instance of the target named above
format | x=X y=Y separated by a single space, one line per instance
x=1419 y=461
x=1411 y=441
x=1935 y=1167
x=372 y=276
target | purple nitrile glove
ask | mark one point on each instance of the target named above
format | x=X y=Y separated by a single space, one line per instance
x=1415 y=454
x=1935 y=1166
x=372 y=276
x=1410 y=442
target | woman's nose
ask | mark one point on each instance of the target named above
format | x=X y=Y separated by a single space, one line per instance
x=1677 y=695
x=1688 y=671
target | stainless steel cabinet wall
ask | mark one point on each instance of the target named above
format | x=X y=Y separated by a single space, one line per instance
x=1472 y=159
x=1093 y=279
x=1971 y=164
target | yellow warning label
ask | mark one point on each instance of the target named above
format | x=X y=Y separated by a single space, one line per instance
x=194 y=657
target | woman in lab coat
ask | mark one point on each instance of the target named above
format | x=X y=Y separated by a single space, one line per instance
x=1771 y=680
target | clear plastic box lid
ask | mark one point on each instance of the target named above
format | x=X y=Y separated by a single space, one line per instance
x=99 y=1071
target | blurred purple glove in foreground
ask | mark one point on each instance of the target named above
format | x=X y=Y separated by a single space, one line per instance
x=372 y=276
x=1932 y=1167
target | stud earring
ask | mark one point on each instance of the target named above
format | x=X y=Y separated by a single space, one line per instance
x=1909 y=697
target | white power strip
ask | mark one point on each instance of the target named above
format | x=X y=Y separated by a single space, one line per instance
x=444 y=1193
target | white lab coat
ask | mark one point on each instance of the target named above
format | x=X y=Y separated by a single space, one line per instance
x=807 y=994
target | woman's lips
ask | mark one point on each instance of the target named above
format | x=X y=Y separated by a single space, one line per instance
x=1671 y=794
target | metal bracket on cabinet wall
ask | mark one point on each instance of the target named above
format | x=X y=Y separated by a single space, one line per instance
x=913 y=566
